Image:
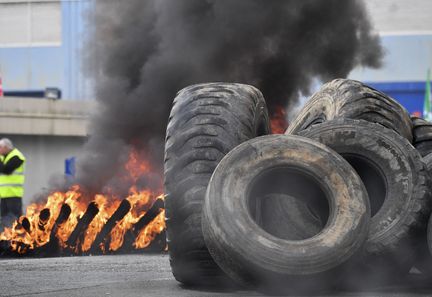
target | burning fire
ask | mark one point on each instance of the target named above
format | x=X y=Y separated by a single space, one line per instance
x=278 y=122
x=68 y=222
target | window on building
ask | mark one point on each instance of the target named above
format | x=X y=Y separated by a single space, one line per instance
x=30 y=23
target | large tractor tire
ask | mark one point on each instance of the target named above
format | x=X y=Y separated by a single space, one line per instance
x=206 y=122
x=235 y=228
x=422 y=135
x=428 y=162
x=397 y=183
x=423 y=249
x=429 y=237
x=344 y=98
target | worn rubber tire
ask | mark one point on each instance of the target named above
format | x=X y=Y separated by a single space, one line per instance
x=424 y=250
x=424 y=147
x=428 y=161
x=424 y=241
x=345 y=98
x=422 y=135
x=256 y=258
x=422 y=129
x=397 y=182
x=206 y=122
x=429 y=235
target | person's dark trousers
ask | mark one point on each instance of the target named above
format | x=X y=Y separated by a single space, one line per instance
x=10 y=210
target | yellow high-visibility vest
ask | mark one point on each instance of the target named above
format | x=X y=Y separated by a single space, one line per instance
x=12 y=185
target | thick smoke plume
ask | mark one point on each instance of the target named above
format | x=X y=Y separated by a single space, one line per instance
x=140 y=53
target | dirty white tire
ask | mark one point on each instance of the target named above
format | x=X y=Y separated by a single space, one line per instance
x=297 y=167
x=397 y=184
x=393 y=173
x=345 y=98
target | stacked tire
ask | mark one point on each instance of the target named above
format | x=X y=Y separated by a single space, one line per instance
x=422 y=135
x=206 y=122
x=342 y=196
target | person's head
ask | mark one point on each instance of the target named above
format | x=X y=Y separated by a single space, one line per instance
x=5 y=146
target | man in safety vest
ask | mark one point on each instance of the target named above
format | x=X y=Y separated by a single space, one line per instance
x=12 y=163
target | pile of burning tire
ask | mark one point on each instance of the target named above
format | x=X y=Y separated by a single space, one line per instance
x=342 y=200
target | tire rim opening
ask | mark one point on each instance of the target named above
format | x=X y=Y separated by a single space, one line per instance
x=288 y=203
x=372 y=178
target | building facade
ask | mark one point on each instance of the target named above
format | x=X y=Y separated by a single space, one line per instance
x=41 y=45
x=405 y=28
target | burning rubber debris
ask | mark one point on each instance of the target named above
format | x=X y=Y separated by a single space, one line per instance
x=65 y=225
x=75 y=223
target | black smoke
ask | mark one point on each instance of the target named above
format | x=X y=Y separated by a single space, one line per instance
x=140 y=53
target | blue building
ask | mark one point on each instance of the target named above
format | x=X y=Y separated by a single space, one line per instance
x=408 y=57
x=410 y=94
x=41 y=46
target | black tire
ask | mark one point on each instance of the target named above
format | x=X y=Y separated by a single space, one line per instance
x=424 y=248
x=424 y=147
x=206 y=122
x=267 y=165
x=345 y=98
x=396 y=180
x=422 y=129
x=422 y=135
x=428 y=161
x=429 y=238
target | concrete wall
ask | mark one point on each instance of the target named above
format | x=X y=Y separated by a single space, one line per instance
x=44 y=116
x=47 y=132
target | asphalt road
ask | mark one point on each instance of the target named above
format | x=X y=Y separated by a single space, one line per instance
x=124 y=275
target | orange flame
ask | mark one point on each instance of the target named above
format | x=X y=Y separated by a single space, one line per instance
x=278 y=122
x=39 y=219
x=136 y=167
x=149 y=233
